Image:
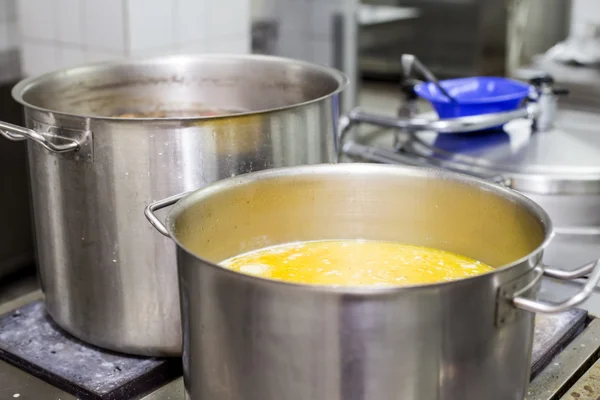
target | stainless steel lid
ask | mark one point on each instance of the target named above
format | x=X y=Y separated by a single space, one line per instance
x=565 y=160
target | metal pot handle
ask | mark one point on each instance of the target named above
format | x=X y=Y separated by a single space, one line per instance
x=159 y=205
x=443 y=126
x=385 y=156
x=536 y=306
x=18 y=133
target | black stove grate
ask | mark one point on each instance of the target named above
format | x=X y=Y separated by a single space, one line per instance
x=32 y=342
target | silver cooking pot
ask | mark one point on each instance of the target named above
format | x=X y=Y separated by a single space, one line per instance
x=255 y=339
x=100 y=149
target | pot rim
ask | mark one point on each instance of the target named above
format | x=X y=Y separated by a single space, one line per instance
x=355 y=168
x=21 y=88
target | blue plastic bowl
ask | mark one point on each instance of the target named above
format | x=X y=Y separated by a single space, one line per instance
x=475 y=95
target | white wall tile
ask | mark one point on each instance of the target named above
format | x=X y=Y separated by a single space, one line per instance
x=198 y=47
x=104 y=26
x=37 y=19
x=227 y=18
x=147 y=53
x=293 y=45
x=37 y=58
x=322 y=52
x=70 y=21
x=66 y=33
x=150 y=24
x=190 y=16
x=294 y=16
x=93 y=56
x=229 y=46
x=70 y=56
x=321 y=18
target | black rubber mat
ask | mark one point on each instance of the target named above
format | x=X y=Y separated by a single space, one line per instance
x=32 y=342
x=552 y=334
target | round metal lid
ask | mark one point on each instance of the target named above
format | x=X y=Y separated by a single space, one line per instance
x=564 y=160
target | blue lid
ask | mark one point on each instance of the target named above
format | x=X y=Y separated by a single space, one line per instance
x=475 y=90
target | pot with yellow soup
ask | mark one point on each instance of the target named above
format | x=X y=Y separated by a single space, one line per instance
x=359 y=282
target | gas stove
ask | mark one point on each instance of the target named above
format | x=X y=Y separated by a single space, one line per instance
x=39 y=361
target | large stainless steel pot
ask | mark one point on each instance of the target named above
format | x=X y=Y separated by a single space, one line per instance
x=255 y=339
x=108 y=279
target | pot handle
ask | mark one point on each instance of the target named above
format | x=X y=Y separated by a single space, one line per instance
x=17 y=133
x=551 y=308
x=385 y=156
x=159 y=205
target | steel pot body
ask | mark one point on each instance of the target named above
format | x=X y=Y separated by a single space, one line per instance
x=255 y=339
x=108 y=278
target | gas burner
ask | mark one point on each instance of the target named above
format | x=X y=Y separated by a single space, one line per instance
x=32 y=342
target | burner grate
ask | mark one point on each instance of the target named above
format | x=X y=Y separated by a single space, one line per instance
x=32 y=342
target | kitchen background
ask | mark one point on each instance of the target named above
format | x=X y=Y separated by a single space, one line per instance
x=364 y=39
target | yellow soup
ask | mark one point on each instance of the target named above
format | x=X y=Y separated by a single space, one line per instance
x=355 y=262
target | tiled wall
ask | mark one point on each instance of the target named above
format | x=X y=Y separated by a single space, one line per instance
x=306 y=27
x=63 y=33
x=306 y=31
